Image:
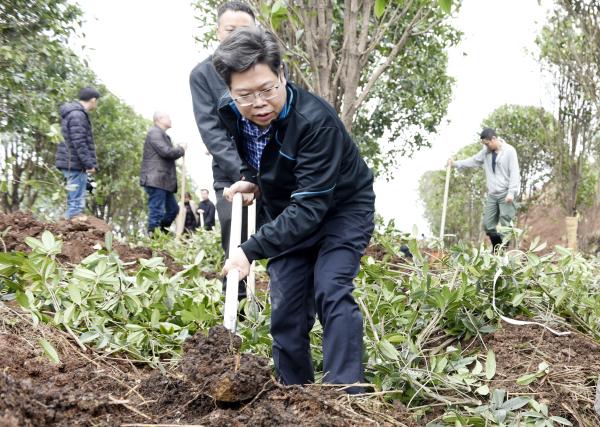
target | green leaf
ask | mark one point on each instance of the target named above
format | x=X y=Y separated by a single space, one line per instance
x=152 y=262
x=380 y=6
x=168 y=328
x=84 y=274
x=48 y=240
x=388 y=350
x=515 y=403
x=49 y=350
x=527 y=378
x=108 y=240
x=22 y=299
x=74 y=293
x=446 y=5
x=441 y=365
x=88 y=337
x=34 y=243
x=517 y=299
x=561 y=420
x=68 y=313
x=155 y=318
x=484 y=390
x=278 y=8
x=478 y=368
x=490 y=365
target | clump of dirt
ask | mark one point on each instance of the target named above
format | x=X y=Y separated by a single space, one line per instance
x=88 y=389
x=569 y=388
x=80 y=236
x=215 y=362
x=380 y=253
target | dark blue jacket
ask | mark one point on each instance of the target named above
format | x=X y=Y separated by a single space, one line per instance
x=309 y=169
x=77 y=151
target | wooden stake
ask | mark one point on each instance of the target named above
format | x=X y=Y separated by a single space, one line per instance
x=180 y=220
x=445 y=205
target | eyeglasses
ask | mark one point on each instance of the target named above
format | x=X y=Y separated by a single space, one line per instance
x=265 y=94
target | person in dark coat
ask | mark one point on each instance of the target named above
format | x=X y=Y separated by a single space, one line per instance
x=192 y=220
x=159 y=175
x=318 y=193
x=207 y=88
x=207 y=208
x=76 y=155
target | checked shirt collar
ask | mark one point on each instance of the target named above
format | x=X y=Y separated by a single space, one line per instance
x=255 y=141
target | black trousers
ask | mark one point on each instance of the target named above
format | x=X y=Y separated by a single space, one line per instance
x=315 y=277
x=224 y=215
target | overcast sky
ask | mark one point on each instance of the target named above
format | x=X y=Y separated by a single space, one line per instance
x=143 y=50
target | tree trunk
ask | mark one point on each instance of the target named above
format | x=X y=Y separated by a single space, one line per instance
x=571 y=223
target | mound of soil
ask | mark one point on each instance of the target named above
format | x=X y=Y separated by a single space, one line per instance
x=216 y=363
x=569 y=389
x=80 y=236
x=87 y=389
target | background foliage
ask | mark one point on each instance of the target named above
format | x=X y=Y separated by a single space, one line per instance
x=39 y=73
x=381 y=64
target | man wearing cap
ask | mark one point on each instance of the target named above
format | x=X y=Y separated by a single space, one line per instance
x=501 y=166
x=76 y=155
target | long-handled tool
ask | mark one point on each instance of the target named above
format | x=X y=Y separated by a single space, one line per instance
x=233 y=276
x=445 y=205
x=180 y=221
x=251 y=281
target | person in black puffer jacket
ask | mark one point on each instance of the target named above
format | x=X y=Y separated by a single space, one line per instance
x=76 y=155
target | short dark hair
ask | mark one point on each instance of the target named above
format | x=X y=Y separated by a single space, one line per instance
x=235 y=6
x=243 y=49
x=88 y=93
x=204 y=189
x=488 y=133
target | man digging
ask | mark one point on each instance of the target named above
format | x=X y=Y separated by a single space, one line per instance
x=501 y=166
x=318 y=193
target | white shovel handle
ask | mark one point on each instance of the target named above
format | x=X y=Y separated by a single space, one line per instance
x=231 y=300
x=233 y=277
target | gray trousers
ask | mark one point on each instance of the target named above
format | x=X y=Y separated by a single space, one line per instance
x=495 y=211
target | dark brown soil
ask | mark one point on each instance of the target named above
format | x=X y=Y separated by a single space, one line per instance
x=87 y=389
x=80 y=237
x=570 y=386
x=215 y=362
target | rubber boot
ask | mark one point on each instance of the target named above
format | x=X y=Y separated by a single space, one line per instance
x=496 y=240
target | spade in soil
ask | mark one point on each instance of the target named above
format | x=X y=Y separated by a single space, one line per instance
x=215 y=361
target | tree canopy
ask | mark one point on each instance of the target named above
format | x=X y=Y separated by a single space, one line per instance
x=381 y=64
x=38 y=73
x=569 y=49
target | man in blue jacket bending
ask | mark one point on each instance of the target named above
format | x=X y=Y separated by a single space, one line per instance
x=318 y=194
x=76 y=155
